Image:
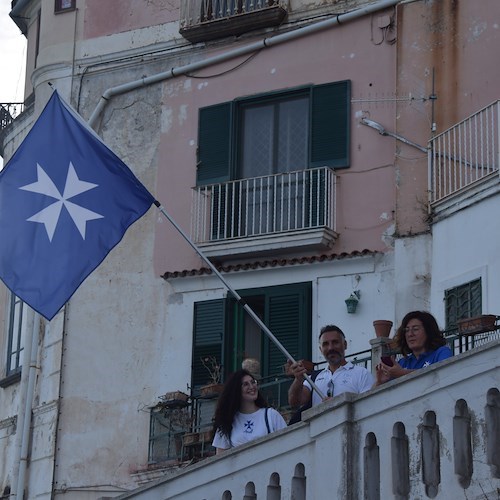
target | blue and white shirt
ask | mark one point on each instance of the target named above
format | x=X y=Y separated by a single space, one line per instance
x=426 y=359
x=249 y=426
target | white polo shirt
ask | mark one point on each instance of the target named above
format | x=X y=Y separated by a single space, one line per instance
x=346 y=378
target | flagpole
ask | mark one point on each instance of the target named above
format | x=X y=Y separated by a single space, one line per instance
x=238 y=298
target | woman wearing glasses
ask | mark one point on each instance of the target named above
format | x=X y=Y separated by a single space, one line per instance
x=242 y=413
x=421 y=343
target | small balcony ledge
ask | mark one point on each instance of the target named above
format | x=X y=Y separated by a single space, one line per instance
x=276 y=214
x=203 y=20
x=301 y=240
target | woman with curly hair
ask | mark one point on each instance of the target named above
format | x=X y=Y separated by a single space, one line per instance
x=420 y=341
x=242 y=413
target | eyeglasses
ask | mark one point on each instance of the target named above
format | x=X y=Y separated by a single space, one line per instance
x=413 y=329
x=329 y=392
x=250 y=383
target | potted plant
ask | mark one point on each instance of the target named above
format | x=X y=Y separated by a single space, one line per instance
x=174 y=399
x=214 y=386
x=477 y=324
x=382 y=327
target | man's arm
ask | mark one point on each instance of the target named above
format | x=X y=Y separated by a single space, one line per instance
x=298 y=394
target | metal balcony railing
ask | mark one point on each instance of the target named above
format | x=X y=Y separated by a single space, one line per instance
x=465 y=153
x=273 y=204
x=200 y=11
x=204 y=20
x=8 y=112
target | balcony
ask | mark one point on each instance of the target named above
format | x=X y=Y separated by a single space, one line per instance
x=466 y=155
x=9 y=112
x=203 y=20
x=431 y=434
x=262 y=215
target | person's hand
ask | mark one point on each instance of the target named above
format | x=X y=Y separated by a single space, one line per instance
x=381 y=373
x=386 y=372
x=297 y=370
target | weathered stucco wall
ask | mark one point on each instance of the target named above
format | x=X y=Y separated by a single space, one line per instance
x=365 y=191
x=444 y=49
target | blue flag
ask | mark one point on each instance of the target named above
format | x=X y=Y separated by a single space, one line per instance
x=65 y=201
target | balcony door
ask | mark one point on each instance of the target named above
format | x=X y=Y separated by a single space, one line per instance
x=224 y=330
x=274 y=140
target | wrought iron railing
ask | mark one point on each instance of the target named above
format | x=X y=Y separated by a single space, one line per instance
x=9 y=111
x=465 y=153
x=266 y=205
x=194 y=12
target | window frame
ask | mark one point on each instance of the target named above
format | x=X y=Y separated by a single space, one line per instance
x=219 y=130
x=472 y=307
x=15 y=341
x=59 y=8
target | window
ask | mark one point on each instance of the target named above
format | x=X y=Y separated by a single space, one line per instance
x=64 y=5
x=265 y=163
x=15 y=341
x=223 y=329
x=280 y=132
x=464 y=301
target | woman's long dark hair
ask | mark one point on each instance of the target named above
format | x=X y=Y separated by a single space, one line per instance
x=230 y=401
x=435 y=338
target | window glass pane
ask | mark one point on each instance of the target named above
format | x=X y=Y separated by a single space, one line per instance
x=464 y=301
x=275 y=137
x=257 y=147
x=293 y=135
x=64 y=5
x=15 y=337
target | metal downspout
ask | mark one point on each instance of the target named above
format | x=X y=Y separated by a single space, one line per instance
x=263 y=44
x=26 y=396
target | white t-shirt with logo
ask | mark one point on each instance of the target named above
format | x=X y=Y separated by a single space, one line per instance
x=249 y=426
x=346 y=378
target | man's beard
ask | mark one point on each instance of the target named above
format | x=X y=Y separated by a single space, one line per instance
x=337 y=360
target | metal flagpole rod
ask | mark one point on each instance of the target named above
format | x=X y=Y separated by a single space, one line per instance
x=235 y=294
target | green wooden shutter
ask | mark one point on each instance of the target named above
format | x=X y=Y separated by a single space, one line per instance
x=288 y=316
x=330 y=124
x=214 y=144
x=208 y=338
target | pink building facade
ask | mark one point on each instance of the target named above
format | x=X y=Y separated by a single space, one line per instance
x=299 y=149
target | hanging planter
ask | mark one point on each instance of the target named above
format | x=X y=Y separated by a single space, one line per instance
x=190 y=438
x=174 y=399
x=211 y=390
x=207 y=436
x=477 y=324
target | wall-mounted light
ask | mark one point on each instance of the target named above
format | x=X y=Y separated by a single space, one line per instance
x=352 y=301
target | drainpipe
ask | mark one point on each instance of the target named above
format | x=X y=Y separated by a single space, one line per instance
x=29 y=406
x=253 y=47
x=27 y=391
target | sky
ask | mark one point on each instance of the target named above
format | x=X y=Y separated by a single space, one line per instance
x=12 y=58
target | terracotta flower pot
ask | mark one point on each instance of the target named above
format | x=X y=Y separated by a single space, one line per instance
x=382 y=327
x=483 y=323
x=211 y=390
